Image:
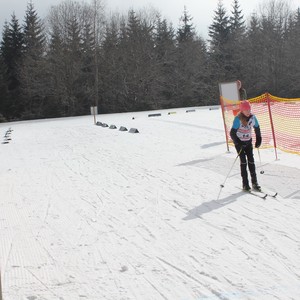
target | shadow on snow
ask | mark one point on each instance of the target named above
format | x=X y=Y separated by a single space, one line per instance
x=212 y=205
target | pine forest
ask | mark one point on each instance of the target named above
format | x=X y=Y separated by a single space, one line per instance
x=80 y=56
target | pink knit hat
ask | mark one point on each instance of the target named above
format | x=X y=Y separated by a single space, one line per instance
x=245 y=105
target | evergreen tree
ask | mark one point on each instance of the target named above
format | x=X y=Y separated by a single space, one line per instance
x=74 y=53
x=5 y=48
x=34 y=37
x=236 y=43
x=74 y=40
x=275 y=15
x=219 y=29
x=190 y=64
x=55 y=102
x=11 y=50
x=138 y=67
x=88 y=66
x=73 y=66
x=4 y=95
x=237 y=22
x=186 y=31
x=33 y=67
x=112 y=61
x=292 y=50
x=165 y=58
x=164 y=38
x=272 y=54
x=11 y=54
x=220 y=64
x=3 y=73
x=253 y=69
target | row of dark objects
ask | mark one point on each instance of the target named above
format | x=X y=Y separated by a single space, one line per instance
x=134 y=130
x=169 y=113
x=7 y=137
x=174 y=112
x=122 y=128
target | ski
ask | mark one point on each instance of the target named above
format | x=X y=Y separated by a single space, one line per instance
x=270 y=194
x=264 y=194
x=259 y=194
x=256 y=193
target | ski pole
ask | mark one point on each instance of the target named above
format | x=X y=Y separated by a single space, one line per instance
x=223 y=184
x=262 y=171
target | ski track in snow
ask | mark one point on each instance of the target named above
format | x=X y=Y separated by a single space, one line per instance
x=94 y=213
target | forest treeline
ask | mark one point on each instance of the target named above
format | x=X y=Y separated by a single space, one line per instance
x=79 y=56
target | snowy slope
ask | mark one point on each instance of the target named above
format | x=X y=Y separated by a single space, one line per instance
x=94 y=213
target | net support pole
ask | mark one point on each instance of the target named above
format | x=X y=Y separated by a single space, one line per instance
x=272 y=124
x=94 y=114
x=225 y=127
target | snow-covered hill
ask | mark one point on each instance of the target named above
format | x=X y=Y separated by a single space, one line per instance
x=88 y=212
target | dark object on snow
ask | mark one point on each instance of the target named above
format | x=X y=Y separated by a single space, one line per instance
x=99 y=123
x=172 y=113
x=154 y=115
x=122 y=128
x=133 y=118
x=112 y=127
x=124 y=269
x=7 y=136
x=190 y=110
x=2 y=119
x=104 y=125
x=133 y=130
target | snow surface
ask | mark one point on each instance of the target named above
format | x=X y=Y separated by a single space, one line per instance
x=94 y=213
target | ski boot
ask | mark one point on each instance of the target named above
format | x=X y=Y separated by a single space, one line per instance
x=246 y=188
x=256 y=186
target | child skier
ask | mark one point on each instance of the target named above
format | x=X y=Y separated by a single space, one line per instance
x=241 y=135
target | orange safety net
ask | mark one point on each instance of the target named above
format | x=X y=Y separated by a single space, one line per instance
x=279 y=120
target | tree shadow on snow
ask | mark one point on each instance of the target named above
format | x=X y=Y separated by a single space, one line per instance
x=195 y=162
x=199 y=161
x=207 y=207
x=212 y=145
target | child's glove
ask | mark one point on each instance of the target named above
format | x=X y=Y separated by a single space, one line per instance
x=258 y=141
